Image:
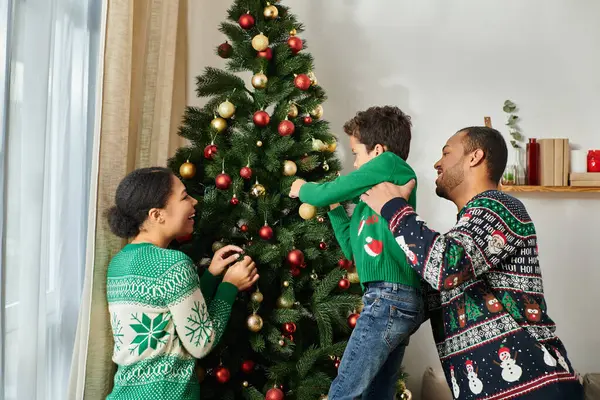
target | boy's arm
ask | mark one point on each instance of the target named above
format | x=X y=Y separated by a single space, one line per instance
x=347 y=187
x=340 y=222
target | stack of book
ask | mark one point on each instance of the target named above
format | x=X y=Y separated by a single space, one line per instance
x=554 y=162
x=586 y=179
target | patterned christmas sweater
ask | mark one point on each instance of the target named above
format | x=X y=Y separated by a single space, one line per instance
x=493 y=334
x=163 y=317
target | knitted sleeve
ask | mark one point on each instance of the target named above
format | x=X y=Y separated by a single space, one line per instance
x=486 y=235
x=199 y=325
x=340 y=222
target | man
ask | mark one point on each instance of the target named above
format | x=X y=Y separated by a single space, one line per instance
x=494 y=337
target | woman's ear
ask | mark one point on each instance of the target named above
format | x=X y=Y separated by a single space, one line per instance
x=155 y=215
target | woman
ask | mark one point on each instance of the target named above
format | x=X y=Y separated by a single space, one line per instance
x=163 y=317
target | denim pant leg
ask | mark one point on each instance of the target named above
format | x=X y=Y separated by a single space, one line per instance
x=378 y=332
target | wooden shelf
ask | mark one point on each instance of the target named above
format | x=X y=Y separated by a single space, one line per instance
x=549 y=189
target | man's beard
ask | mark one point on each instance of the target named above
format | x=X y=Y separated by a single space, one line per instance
x=451 y=178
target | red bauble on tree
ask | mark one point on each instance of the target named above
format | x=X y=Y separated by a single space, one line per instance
x=295 y=44
x=244 y=228
x=261 y=118
x=344 y=284
x=246 y=172
x=344 y=264
x=352 y=319
x=323 y=246
x=246 y=21
x=210 y=151
x=302 y=82
x=337 y=363
x=307 y=120
x=248 y=366
x=274 y=394
x=266 y=54
x=222 y=374
x=295 y=258
x=286 y=128
x=234 y=201
x=295 y=272
x=289 y=327
x=225 y=50
x=223 y=181
x=266 y=232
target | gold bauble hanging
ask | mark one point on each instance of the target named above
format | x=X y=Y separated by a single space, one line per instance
x=282 y=302
x=293 y=32
x=226 y=109
x=260 y=42
x=259 y=143
x=257 y=297
x=289 y=168
x=258 y=190
x=254 y=323
x=353 y=277
x=307 y=211
x=332 y=146
x=325 y=166
x=313 y=78
x=293 y=111
x=259 y=81
x=187 y=170
x=218 y=124
x=270 y=12
x=318 y=145
x=317 y=112
x=216 y=246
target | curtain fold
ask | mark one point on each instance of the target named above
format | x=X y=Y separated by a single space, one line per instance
x=143 y=100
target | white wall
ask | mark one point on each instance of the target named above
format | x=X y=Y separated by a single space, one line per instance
x=448 y=64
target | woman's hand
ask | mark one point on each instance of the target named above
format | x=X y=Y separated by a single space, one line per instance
x=220 y=261
x=242 y=274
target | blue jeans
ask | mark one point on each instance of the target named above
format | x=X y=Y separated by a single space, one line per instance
x=372 y=360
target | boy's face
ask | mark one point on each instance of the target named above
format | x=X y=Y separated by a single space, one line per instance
x=360 y=152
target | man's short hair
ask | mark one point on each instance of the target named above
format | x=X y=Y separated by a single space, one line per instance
x=493 y=145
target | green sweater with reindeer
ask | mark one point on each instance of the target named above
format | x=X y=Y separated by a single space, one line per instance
x=365 y=237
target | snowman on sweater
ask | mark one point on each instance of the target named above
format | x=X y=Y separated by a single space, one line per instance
x=548 y=359
x=455 y=388
x=562 y=361
x=475 y=383
x=511 y=372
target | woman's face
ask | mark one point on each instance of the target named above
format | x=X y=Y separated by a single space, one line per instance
x=178 y=214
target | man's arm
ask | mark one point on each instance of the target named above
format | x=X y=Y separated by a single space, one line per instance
x=485 y=236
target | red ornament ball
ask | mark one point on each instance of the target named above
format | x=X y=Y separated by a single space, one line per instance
x=295 y=44
x=344 y=284
x=307 y=120
x=246 y=21
x=302 y=82
x=274 y=394
x=266 y=232
x=289 y=327
x=286 y=128
x=337 y=363
x=295 y=258
x=352 y=319
x=261 y=118
x=303 y=265
x=223 y=181
x=344 y=264
x=244 y=228
x=323 y=246
x=266 y=54
x=222 y=374
x=295 y=272
x=225 y=50
x=234 y=201
x=246 y=172
x=248 y=366
x=210 y=151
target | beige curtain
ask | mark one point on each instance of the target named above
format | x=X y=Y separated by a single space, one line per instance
x=143 y=99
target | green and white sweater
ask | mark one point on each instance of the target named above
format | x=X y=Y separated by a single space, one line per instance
x=163 y=317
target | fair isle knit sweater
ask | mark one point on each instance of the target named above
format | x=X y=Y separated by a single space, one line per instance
x=163 y=317
x=494 y=336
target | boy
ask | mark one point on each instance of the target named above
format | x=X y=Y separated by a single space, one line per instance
x=393 y=305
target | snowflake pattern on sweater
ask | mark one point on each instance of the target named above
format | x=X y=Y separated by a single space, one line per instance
x=486 y=301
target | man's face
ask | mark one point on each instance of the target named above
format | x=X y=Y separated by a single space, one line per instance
x=451 y=167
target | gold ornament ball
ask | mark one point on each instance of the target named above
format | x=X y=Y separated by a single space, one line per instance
x=318 y=145
x=353 y=277
x=325 y=166
x=271 y=12
x=286 y=284
x=289 y=168
x=282 y=342
x=324 y=397
x=284 y=303
x=259 y=81
x=259 y=143
x=187 y=170
x=255 y=323
x=321 y=219
x=260 y=42
x=307 y=211
x=218 y=124
x=257 y=297
x=258 y=190
x=245 y=384
x=332 y=146
x=216 y=246
x=293 y=111
x=293 y=32
x=314 y=276
x=226 y=109
x=313 y=78
x=317 y=112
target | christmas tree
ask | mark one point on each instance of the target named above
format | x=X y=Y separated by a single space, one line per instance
x=250 y=141
x=472 y=310
x=453 y=324
x=511 y=306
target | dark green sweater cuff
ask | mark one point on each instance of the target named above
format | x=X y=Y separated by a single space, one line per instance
x=338 y=215
x=227 y=292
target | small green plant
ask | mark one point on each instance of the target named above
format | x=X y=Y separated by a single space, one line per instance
x=513 y=124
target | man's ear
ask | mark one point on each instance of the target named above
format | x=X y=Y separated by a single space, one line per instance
x=477 y=158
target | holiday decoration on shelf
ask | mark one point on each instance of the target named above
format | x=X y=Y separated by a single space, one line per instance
x=210 y=151
x=260 y=42
x=266 y=232
x=218 y=124
x=222 y=374
x=307 y=211
x=261 y=118
x=352 y=319
x=254 y=323
x=259 y=81
x=187 y=170
x=286 y=128
x=289 y=168
x=226 y=109
x=275 y=394
x=246 y=21
x=295 y=258
x=225 y=50
x=302 y=82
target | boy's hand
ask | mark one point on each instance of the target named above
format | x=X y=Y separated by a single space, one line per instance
x=296 y=186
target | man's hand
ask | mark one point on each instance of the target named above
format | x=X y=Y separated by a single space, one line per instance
x=378 y=195
x=296 y=186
